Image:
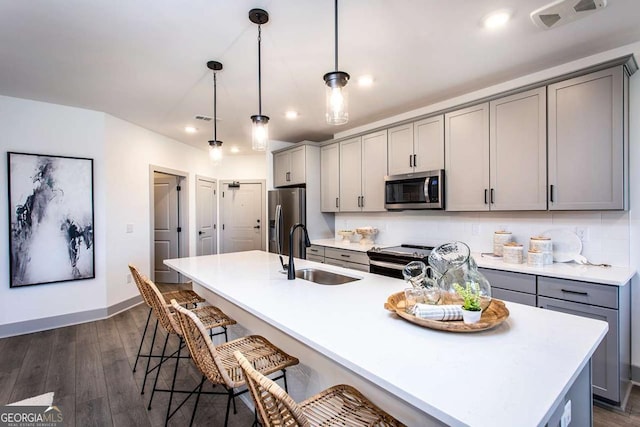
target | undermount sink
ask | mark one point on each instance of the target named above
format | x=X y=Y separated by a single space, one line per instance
x=324 y=277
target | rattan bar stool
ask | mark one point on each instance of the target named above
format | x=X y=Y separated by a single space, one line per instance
x=218 y=365
x=183 y=297
x=210 y=316
x=340 y=405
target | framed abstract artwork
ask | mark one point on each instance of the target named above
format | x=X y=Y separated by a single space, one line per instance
x=51 y=234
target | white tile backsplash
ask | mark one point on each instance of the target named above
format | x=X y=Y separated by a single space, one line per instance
x=607 y=233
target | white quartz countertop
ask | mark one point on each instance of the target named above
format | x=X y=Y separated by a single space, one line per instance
x=520 y=369
x=618 y=276
x=351 y=246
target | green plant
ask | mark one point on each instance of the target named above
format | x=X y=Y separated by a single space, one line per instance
x=470 y=295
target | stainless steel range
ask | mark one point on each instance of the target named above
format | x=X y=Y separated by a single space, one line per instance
x=390 y=261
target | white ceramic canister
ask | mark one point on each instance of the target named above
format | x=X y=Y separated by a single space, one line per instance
x=499 y=239
x=512 y=253
x=544 y=245
x=535 y=258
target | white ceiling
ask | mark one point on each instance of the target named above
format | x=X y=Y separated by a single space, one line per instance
x=145 y=60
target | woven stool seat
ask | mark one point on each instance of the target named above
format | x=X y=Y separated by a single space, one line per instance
x=211 y=317
x=341 y=405
x=218 y=363
x=183 y=297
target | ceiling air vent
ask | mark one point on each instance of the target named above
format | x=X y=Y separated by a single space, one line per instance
x=563 y=11
x=204 y=118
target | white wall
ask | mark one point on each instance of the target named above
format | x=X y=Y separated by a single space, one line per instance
x=130 y=150
x=41 y=128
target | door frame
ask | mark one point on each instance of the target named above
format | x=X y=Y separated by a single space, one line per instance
x=263 y=208
x=217 y=209
x=183 y=203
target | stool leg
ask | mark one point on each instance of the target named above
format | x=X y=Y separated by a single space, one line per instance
x=195 y=406
x=144 y=333
x=229 y=399
x=284 y=375
x=146 y=370
x=173 y=383
x=155 y=382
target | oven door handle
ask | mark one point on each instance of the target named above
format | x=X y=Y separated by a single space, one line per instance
x=390 y=265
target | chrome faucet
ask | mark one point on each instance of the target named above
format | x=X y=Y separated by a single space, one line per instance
x=291 y=272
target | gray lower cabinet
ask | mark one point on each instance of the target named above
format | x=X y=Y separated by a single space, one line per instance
x=611 y=360
x=512 y=287
x=339 y=257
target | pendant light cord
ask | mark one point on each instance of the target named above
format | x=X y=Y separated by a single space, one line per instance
x=215 y=128
x=336 y=33
x=260 y=71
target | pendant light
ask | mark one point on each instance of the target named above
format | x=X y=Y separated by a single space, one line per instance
x=215 y=146
x=260 y=128
x=337 y=97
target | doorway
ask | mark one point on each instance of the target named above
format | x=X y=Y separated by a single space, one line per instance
x=169 y=221
x=242 y=213
x=206 y=216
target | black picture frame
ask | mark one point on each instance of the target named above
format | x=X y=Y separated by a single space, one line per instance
x=51 y=219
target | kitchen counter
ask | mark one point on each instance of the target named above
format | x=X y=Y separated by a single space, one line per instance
x=351 y=246
x=520 y=370
x=617 y=276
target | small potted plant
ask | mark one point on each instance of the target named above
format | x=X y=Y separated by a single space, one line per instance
x=470 y=293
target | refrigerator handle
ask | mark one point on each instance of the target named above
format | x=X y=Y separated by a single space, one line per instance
x=279 y=225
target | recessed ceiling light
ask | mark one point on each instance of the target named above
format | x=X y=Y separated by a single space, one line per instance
x=365 y=81
x=235 y=150
x=291 y=114
x=496 y=19
x=190 y=129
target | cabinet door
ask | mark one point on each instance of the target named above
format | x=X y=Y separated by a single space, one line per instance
x=518 y=151
x=604 y=362
x=586 y=142
x=400 y=149
x=467 y=159
x=351 y=175
x=297 y=169
x=281 y=162
x=428 y=144
x=330 y=178
x=374 y=168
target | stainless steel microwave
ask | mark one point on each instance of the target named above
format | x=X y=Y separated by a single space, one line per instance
x=422 y=190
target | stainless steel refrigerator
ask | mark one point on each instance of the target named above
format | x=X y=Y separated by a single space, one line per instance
x=287 y=207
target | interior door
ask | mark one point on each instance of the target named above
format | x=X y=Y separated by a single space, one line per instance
x=206 y=216
x=166 y=223
x=242 y=219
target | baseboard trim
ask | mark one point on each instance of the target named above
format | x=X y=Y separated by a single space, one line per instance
x=53 y=322
x=635 y=374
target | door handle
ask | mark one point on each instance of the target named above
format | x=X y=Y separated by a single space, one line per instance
x=485 y=196
x=551 y=193
x=257 y=226
x=337 y=203
x=492 y=202
x=415 y=160
x=200 y=233
x=410 y=160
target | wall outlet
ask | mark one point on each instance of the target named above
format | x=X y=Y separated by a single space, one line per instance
x=565 y=420
x=583 y=233
x=129 y=228
x=129 y=278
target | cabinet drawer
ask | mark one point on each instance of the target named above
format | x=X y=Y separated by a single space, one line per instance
x=512 y=296
x=315 y=250
x=518 y=282
x=349 y=256
x=582 y=292
x=316 y=258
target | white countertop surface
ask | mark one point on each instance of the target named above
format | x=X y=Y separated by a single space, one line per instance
x=520 y=369
x=618 y=276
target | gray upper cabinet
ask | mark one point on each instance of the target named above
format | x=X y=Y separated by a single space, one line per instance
x=518 y=151
x=330 y=178
x=289 y=167
x=467 y=158
x=363 y=165
x=587 y=140
x=417 y=147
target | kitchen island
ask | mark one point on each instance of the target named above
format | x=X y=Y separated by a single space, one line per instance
x=520 y=373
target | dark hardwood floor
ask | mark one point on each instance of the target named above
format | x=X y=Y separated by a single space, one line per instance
x=88 y=367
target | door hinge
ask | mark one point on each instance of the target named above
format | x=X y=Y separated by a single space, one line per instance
x=214 y=192
x=223 y=194
x=178 y=188
x=179 y=229
x=223 y=226
x=215 y=226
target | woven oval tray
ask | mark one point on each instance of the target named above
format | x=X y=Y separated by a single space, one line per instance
x=495 y=314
